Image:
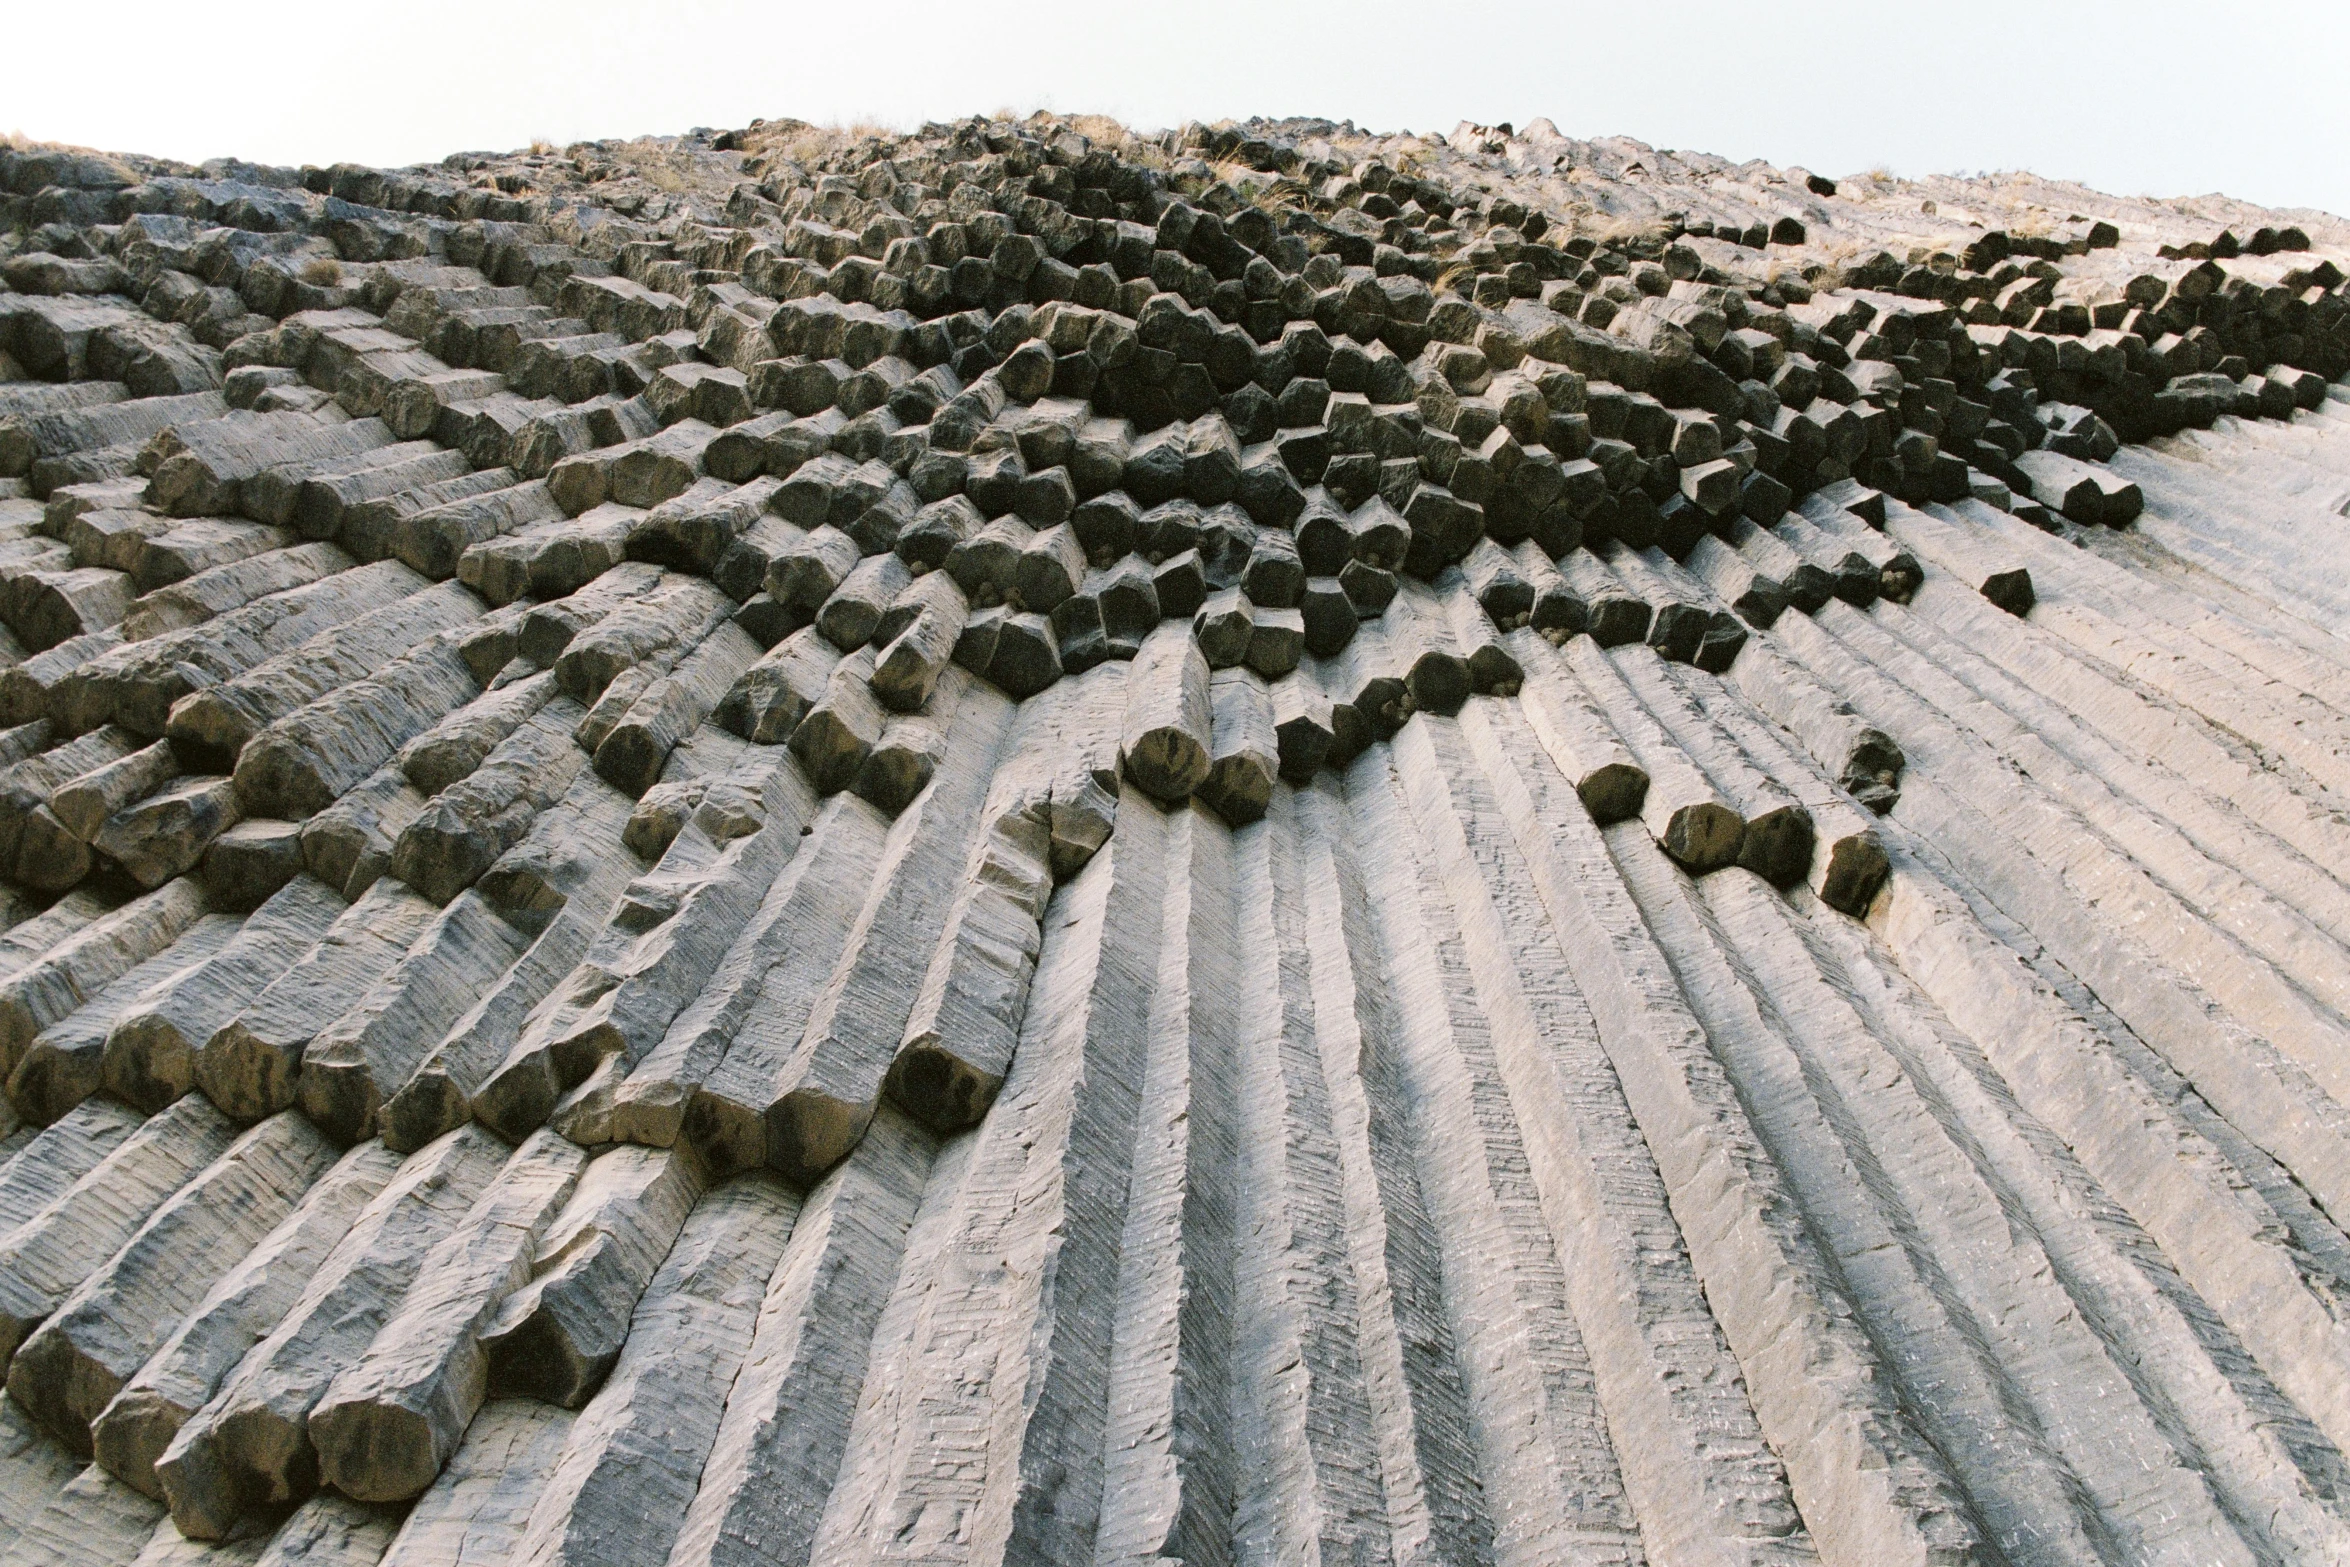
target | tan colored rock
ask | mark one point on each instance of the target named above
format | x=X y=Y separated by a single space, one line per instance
x=71 y=1368
x=634 y=1458
x=251 y=1065
x=1166 y=740
x=250 y=1447
x=65 y=1062
x=242 y=1307
x=362 y=1058
x=385 y=1426
x=44 y=1259
x=556 y=1337
x=73 y=970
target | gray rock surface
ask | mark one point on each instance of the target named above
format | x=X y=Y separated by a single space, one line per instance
x=1027 y=843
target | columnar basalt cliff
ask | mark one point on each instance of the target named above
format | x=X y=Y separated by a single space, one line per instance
x=1036 y=845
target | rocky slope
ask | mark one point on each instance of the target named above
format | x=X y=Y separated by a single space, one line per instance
x=1029 y=844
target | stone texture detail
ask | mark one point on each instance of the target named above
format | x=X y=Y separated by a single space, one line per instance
x=1029 y=844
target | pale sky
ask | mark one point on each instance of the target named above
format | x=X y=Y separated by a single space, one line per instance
x=2153 y=98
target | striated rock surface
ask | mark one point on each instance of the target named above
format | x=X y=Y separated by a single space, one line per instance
x=1033 y=844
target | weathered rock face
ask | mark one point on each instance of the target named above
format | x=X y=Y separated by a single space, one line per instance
x=1030 y=845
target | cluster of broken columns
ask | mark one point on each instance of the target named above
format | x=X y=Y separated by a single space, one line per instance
x=441 y=605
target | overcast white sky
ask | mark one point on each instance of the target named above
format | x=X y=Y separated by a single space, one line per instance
x=2153 y=97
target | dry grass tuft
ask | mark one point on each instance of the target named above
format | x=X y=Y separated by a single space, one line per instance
x=805 y=145
x=322 y=272
x=1825 y=266
x=664 y=167
x=808 y=145
x=1618 y=231
x=540 y=147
